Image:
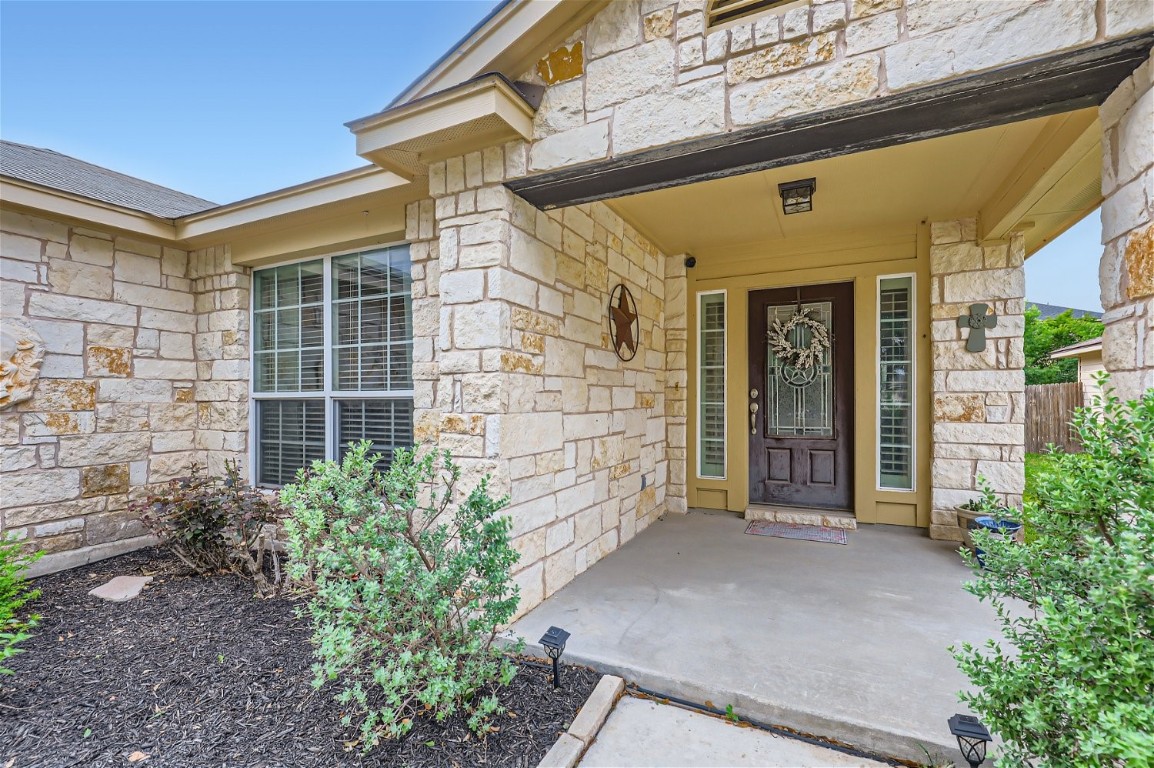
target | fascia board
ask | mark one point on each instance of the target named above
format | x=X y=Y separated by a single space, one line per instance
x=75 y=207
x=327 y=191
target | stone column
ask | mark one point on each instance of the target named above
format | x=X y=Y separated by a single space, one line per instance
x=1126 y=273
x=676 y=380
x=979 y=397
x=221 y=291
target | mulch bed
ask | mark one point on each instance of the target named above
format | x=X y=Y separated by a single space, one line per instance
x=197 y=672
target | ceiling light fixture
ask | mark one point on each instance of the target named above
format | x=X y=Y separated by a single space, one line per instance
x=797 y=196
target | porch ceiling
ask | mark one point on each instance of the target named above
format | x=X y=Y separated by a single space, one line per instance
x=946 y=177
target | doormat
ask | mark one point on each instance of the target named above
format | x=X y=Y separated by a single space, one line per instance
x=795 y=531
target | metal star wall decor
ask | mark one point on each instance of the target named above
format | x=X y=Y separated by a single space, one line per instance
x=977 y=321
x=624 y=327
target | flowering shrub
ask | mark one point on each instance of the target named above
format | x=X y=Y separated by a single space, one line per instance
x=410 y=583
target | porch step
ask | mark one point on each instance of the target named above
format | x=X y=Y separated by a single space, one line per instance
x=801 y=516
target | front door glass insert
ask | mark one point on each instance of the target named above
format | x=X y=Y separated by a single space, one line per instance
x=799 y=401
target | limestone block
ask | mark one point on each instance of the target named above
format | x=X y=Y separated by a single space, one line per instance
x=20 y=248
x=112 y=526
x=820 y=88
x=165 y=320
x=795 y=23
x=1003 y=476
x=33 y=226
x=44 y=486
x=690 y=111
x=871 y=33
x=560 y=569
x=952 y=473
x=13 y=458
x=767 y=29
x=984 y=286
x=981 y=434
x=63 y=367
x=134 y=268
x=52 y=305
x=828 y=16
x=1026 y=32
x=20 y=271
x=781 y=58
x=562 y=108
x=186 y=369
x=615 y=28
x=85 y=450
x=103 y=480
x=967 y=408
x=945 y=533
x=60 y=337
x=579 y=145
x=647 y=68
x=21 y=357
x=986 y=381
x=510 y=286
x=1135 y=139
x=124 y=417
x=64 y=395
x=1126 y=17
x=109 y=361
x=42 y=424
x=1123 y=211
x=480 y=326
x=951 y=257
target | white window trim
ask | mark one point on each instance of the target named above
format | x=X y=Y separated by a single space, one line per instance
x=326 y=394
x=697 y=405
x=913 y=387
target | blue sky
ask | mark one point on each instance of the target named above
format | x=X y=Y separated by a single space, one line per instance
x=226 y=100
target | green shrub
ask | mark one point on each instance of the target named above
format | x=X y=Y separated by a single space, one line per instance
x=410 y=584
x=1073 y=683
x=14 y=593
x=216 y=524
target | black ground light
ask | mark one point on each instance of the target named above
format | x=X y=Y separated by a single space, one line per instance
x=972 y=738
x=554 y=643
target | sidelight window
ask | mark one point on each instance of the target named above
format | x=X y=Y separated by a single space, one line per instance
x=896 y=382
x=711 y=384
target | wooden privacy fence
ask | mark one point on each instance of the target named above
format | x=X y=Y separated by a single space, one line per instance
x=1049 y=408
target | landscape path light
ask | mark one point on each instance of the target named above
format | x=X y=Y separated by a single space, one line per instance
x=553 y=641
x=972 y=738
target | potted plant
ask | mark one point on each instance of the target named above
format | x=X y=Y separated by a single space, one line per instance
x=986 y=505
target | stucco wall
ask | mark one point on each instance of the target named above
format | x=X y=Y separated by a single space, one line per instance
x=647 y=72
x=133 y=385
x=521 y=381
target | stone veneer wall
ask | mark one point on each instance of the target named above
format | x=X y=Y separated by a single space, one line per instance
x=133 y=332
x=979 y=397
x=644 y=73
x=514 y=371
x=1127 y=266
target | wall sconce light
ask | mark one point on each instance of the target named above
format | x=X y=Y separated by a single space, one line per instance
x=972 y=738
x=797 y=196
x=554 y=643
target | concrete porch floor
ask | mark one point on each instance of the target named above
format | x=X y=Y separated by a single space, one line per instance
x=845 y=642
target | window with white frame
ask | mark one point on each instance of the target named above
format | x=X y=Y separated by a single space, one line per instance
x=711 y=384
x=332 y=359
x=896 y=382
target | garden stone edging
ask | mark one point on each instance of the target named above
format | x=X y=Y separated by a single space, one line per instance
x=572 y=744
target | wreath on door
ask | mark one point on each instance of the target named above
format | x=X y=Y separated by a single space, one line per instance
x=803 y=357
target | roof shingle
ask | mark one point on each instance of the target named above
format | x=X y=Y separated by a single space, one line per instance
x=67 y=174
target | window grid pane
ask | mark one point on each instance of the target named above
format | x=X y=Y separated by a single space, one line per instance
x=291 y=435
x=288 y=328
x=388 y=423
x=711 y=395
x=372 y=321
x=895 y=401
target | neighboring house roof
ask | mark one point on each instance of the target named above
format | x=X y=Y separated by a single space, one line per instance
x=67 y=174
x=1053 y=310
x=1078 y=348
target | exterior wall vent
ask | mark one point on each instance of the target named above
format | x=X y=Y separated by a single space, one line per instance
x=721 y=11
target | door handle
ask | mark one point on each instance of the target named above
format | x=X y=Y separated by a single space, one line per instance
x=753 y=418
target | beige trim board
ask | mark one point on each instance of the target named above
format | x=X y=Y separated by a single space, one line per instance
x=35 y=198
x=467 y=117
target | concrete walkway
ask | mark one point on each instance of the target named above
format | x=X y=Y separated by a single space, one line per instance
x=645 y=733
x=846 y=642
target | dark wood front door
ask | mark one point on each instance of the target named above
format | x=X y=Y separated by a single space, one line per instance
x=801 y=416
